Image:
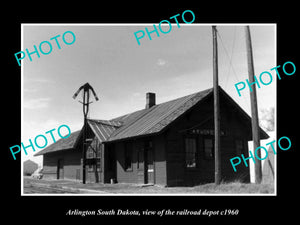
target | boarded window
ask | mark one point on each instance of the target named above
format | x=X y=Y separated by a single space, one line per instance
x=128 y=155
x=208 y=148
x=190 y=152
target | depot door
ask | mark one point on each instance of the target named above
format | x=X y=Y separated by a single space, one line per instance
x=149 y=167
x=141 y=166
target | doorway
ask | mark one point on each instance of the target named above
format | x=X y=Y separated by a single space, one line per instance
x=145 y=164
x=110 y=164
x=60 y=169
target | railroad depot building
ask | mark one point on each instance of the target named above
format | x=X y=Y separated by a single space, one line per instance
x=168 y=144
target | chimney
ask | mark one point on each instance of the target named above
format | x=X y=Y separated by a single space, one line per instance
x=150 y=100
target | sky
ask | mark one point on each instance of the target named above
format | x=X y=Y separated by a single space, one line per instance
x=121 y=72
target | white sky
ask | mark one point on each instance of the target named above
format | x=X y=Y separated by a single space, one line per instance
x=121 y=71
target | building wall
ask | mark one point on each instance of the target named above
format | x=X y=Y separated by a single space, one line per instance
x=134 y=175
x=72 y=166
x=129 y=175
x=193 y=124
x=160 y=165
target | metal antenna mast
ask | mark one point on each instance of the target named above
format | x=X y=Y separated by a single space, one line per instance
x=85 y=103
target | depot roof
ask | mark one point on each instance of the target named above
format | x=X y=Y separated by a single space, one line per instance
x=142 y=122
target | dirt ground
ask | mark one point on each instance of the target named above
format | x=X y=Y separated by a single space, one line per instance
x=34 y=186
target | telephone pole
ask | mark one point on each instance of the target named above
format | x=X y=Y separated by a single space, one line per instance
x=216 y=108
x=254 y=111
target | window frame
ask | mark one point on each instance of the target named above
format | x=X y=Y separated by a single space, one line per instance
x=128 y=154
x=192 y=137
x=209 y=137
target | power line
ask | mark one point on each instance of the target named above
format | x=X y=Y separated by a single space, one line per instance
x=231 y=65
x=226 y=52
x=230 y=60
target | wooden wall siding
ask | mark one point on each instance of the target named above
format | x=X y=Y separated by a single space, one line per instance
x=134 y=175
x=160 y=170
x=126 y=176
x=72 y=166
x=234 y=128
x=71 y=162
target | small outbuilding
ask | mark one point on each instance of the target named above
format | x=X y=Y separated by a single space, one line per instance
x=29 y=167
x=169 y=144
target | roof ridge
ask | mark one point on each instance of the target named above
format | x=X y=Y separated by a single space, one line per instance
x=178 y=105
x=189 y=98
x=127 y=114
x=133 y=121
x=107 y=122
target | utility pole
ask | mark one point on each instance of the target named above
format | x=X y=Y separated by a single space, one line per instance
x=216 y=108
x=254 y=111
x=85 y=103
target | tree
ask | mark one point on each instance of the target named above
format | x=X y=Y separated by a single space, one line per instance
x=267 y=119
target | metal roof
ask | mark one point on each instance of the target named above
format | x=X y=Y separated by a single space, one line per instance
x=140 y=123
x=156 y=118
x=61 y=144
x=103 y=128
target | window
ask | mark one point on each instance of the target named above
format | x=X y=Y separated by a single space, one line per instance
x=99 y=150
x=94 y=149
x=190 y=152
x=90 y=168
x=90 y=153
x=98 y=165
x=93 y=156
x=128 y=156
x=208 y=148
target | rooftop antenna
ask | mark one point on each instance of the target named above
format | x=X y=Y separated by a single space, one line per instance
x=85 y=103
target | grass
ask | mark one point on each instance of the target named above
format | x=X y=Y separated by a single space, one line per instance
x=235 y=187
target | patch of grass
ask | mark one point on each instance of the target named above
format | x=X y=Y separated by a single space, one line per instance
x=235 y=188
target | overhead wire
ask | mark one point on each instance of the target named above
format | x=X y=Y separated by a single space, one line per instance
x=230 y=60
x=231 y=65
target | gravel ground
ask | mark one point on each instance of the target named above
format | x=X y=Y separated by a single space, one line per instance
x=32 y=186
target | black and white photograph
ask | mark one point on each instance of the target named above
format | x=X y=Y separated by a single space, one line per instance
x=150 y=115
x=142 y=117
